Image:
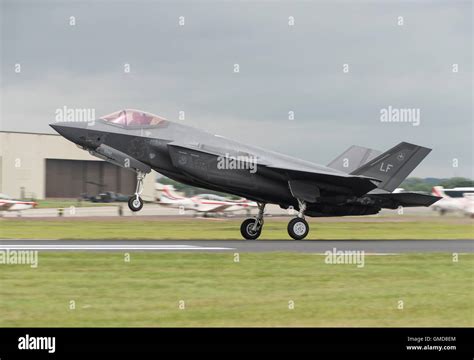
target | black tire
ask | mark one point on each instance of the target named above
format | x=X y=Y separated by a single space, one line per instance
x=246 y=229
x=135 y=205
x=298 y=228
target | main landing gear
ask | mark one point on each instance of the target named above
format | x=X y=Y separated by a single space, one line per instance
x=135 y=202
x=298 y=228
x=251 y=228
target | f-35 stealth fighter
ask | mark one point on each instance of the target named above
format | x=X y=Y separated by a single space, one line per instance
x=358 y=182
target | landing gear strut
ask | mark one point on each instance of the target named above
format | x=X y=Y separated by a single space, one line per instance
x=298 y=228
x=135 y=202
x=251 y=228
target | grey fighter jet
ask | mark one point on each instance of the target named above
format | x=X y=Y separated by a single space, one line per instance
x=358 y=182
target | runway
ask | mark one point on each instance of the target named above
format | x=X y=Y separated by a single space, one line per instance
x=305 y=246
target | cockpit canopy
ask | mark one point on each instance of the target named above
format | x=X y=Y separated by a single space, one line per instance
x=130 y=117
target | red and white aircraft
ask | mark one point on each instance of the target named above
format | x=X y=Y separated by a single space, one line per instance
x=454 y=200
x=9 y=204
x=203 y=203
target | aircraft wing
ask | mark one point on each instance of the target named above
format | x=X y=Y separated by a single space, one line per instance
x=305 y=178
x=4 y=206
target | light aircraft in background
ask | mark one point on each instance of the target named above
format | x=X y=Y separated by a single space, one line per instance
x=459 y=199
x=203 y=203
x=358 y=182
x=9 y=204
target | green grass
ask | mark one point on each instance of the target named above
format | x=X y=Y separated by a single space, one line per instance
x=66 y=203
x=225 y=229
x=254 y=292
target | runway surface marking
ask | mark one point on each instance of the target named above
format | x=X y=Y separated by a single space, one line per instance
x=365 y=253
x=111 y=247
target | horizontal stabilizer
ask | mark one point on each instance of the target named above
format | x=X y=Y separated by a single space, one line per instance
x=407 y=199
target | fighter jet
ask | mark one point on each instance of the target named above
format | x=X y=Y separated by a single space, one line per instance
x=358 y=182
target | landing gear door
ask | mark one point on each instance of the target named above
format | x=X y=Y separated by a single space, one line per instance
x=119 y=158
x=304 y=190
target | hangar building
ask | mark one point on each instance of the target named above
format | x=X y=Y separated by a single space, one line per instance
x=42 y=166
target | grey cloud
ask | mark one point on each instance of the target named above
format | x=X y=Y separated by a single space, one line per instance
x=190 y=68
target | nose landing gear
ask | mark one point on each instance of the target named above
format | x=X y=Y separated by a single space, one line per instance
x=135 y=202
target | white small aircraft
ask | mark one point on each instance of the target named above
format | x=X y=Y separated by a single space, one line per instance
x=203 y=203
x=9 y=204
x=454 y=200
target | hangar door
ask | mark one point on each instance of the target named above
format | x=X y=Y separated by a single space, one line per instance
x=71 y=178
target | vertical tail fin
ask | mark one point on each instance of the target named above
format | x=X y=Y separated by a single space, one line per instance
x=394 y=165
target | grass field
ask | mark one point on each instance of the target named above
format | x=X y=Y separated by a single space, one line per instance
x=66 y=203
x=208 y=229
x=253 y=292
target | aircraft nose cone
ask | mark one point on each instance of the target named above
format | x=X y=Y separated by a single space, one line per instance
x=73 y=131
x=58 y=128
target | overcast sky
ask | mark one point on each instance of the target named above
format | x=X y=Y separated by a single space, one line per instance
x=282 y=68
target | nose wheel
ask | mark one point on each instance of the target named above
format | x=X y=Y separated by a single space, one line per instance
x=298 y=227
x=135 y=202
